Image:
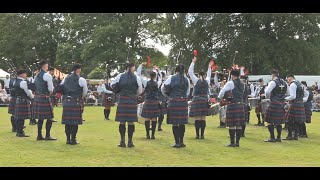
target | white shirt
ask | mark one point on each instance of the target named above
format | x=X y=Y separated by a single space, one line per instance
x=227 y=87
x=271 y=86
x=139 y=90
x=24 y=86
x=305 y=93
x=103 y=88
x=48 y=78
x=144 y=80
x=293 y=90
x=194 y=77
x=168 y=81
x=252 y=90
x=6 y=82
x=258 y=89
x=82 y=83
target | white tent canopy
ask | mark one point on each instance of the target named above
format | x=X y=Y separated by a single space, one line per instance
x=3 y=73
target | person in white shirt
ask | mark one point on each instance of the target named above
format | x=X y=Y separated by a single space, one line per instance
x=108 y=97
x=128 y=86
x=200 y=107
x=22 y=108
x=260 y=93
x=296 y=113
x=6 y=84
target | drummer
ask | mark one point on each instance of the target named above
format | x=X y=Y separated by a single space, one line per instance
x=246 y=94
x=200 y=107
x=308 y=107
x=260 y=93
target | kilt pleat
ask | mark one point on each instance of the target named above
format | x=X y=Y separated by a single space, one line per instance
x=235 y=115
x=151 y=109
x=275 y=113
x=42 y=107
x=308 y=111
x=22 y=109
x=12 y=104
x=72 y=112
x=177 y=111
x=199 y=107
x=296 y=112
x=127 y=109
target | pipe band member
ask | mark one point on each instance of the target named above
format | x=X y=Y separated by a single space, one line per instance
x=200 y=107
x=22 y=107
x=308 y=111
x=108 y=98
x=235 y=116
x=296 y=114
x=163 y=103
x=177 y=89
x=42 y=105
x=12 y=103
x=276 y=92
x=260 y=93
x=75 y=88
x=128 y=86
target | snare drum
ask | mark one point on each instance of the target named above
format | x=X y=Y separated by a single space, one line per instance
x=264 y=105
x=223 y=113
x=253 y=102
x=215 y=109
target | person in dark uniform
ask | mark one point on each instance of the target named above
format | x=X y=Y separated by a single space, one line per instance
x=296 y=114
x=260 y=93
x=53 y=95
x=128 y=86
x=22 y=107
x=177 y=89
x=246 y=107
x=74 y=89
x=108 y=99
x=200 y=101
x=12 y=103
x=308 y=111
x=163 y=103
x=42 y=106
x=235 y=116
x=275 y=116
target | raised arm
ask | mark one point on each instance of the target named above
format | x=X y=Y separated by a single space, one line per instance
x=229 y=86
x=191 y=72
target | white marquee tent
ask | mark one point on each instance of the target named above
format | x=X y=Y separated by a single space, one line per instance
x=3 y=73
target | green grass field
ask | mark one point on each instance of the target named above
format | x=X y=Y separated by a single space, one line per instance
x=99 y=139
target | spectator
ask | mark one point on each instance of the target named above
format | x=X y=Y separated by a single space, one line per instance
x=6 y=83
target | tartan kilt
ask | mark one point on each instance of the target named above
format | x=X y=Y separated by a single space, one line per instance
x=199 y=107
x=72 y=112
x=106 y=103
x=177 y=112
x=127 y=109
x=12 y=104
x=151 y=109
x=296 y=112
x=163 y=108
x=258 y=109
x=308 y=107
x=275 y=113
x=42 y=107
x=22 y=109
x=235 y=115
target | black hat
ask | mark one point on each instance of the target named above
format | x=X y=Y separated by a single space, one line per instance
x=22 y=71
x=43 y=62
x=290 y=75
x=76 y=67
x=260 y=80
x=235 y=72
x=304 y=83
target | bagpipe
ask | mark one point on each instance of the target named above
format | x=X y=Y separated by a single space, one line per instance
x=31 y=85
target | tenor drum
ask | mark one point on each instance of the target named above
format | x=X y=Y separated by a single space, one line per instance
x=264 y=105
x=223 y=113
x=215 y=109
x=253 y=102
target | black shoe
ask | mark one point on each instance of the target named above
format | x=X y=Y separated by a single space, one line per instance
x=50 y=138
x=176 y=146
x=122 y=144
x=288 y=138
x=197 y=137
x=22 y=135
x=14 y=130
x=40 y=138
x=202 y=137
x=130 y=144
x=152 y=137
x=182 y=145
x=74 y=142
x=230 y=145
x=278 y=140
x=270 y=140
x=237 y=145
x=68 y=142
x=159 y=129
x=148 y=137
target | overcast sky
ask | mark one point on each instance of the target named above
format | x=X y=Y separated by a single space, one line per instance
x=164 y=49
